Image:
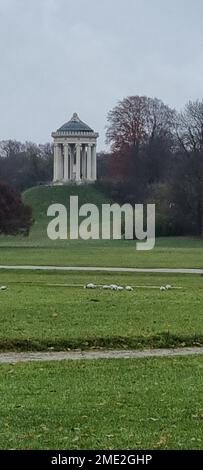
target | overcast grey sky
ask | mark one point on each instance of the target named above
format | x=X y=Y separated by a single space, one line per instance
x=61 y=56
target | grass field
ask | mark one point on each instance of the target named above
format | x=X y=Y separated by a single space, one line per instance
x=114 y=404
x=110 y=253
x=38 y=249
x=41 y=310
x=129 y=404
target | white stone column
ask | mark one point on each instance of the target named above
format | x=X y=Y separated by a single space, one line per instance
x=71 y=162
x=66 y=162
x=94 y=163
x=85 y=151
x=89 y=162
x=78 y=148
x=55 y=174
x=60 y=162
x=84 y=163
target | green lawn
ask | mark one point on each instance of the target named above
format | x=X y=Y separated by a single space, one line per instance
x=41 y=310
x=149 y=404
x=114 y=404
x=181 y=252
x=174 y=253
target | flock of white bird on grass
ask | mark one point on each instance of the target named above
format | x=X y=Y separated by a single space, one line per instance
x=110 y=287
x=115 y=287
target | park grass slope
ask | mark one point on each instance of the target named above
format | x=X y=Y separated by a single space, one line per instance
x=41 y=197
x=38 y=249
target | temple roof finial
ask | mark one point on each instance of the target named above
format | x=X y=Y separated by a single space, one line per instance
x=75 y=117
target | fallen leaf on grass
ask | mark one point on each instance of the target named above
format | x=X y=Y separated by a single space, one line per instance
x=75 y=439
x=162 y=441
x=44 y=428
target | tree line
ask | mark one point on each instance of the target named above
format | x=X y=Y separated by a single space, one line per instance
x=157 y=157
x=23 y=165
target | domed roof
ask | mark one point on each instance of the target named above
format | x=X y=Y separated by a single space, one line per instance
x=75 y=125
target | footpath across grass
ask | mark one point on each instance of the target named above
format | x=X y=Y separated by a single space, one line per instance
x=114 y=404
x=43 y=310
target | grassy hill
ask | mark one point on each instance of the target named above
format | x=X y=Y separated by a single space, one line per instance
x=181 y=252
x=41 y=197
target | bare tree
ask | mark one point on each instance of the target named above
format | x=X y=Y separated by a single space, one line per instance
x=189 y=191
x=25 y=164
x=136 y=120
x=189 y=127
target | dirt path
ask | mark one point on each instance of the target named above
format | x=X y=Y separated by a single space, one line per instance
x=105 y=269
x=12 y=358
